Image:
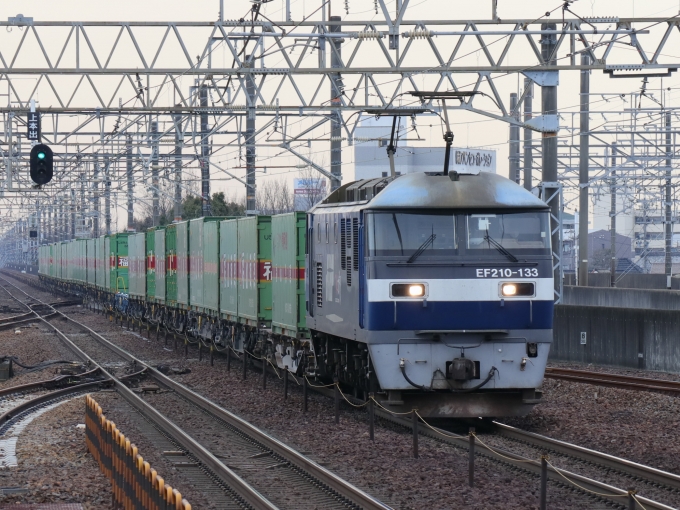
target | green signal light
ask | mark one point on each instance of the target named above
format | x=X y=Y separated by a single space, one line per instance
x=41 y=155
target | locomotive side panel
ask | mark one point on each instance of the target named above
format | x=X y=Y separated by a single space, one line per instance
x=334 y=261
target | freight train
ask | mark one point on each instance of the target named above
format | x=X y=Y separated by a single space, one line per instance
x=432 y=291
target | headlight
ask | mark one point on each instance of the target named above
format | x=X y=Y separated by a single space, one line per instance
x=517 y=289
x=408 y=290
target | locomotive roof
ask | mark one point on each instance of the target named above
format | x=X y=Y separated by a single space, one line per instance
x=419 y=190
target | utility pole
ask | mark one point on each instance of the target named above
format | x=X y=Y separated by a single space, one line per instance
x=514 y=140
x=528 y=135
x=107 y=195
x=82 y=204
x=73 y=213
x=49 y=237
x=179 y=140
x=583 y=174
x=336 y=101
x=549 y=147
x=95 y=197
x=668 y=221
x=205 y=151
x=612 y=215
x=155 y=212
x=250 y=140
x=130 y=184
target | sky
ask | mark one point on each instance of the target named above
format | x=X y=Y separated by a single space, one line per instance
x=470 y=130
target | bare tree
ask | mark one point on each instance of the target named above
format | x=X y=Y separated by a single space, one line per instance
x=274 y=197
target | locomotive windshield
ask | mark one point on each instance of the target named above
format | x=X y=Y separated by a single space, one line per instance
x=525 y=233
x=403 y=234
x=441 y=234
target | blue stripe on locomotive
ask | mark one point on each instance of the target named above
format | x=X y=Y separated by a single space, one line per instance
x=442 y=315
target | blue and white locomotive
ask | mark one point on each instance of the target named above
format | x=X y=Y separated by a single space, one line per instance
x=434 y=291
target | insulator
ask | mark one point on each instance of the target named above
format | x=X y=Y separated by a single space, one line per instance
x=418 y=33
x=302 y=165
x=346 y=6
x=267 y=107
x=338 y=138
x=369 y=34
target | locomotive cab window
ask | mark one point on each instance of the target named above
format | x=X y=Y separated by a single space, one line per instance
x=412 y=235
x=526 y=233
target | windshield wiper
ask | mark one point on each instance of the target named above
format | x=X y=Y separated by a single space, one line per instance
x=500 y=247
x=422 y=248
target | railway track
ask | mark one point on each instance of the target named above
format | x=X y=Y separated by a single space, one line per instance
x=626 y=382
x=257 y=457
x=664 y=485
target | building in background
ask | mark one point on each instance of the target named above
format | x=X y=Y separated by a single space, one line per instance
x=372 y=137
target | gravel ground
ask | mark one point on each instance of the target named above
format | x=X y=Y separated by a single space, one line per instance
x=33 y=344
x=54 y=464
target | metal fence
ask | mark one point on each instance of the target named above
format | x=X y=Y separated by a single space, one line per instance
x=134 y=483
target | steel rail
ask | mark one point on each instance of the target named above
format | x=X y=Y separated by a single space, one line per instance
x=11 y=413
x=339 y=485
x=46 y=383
x=251 y=496
x=625 y=466
x=615 y=380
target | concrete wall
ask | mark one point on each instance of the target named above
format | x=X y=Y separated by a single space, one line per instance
x=629 y=281
x=622 y=298
x=628 y=337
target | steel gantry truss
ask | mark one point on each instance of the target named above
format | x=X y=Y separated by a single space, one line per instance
x=126 y=104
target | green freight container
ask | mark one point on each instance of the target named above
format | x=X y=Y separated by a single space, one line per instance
x=229 y=270
x=182 y=246
x=68 y=259
x=151 y=263
x=255 y=270
x=57 y=261
x=53 y=265
x=101 y=263
x=159 y=266
x=41 y=259
x=288 y=271
x=118 y=262
x=137 y=265
x=91 y=262
x=80 y=269
x=170 y=265
x=211 y=264
x=108 y=263
x=204 y=256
